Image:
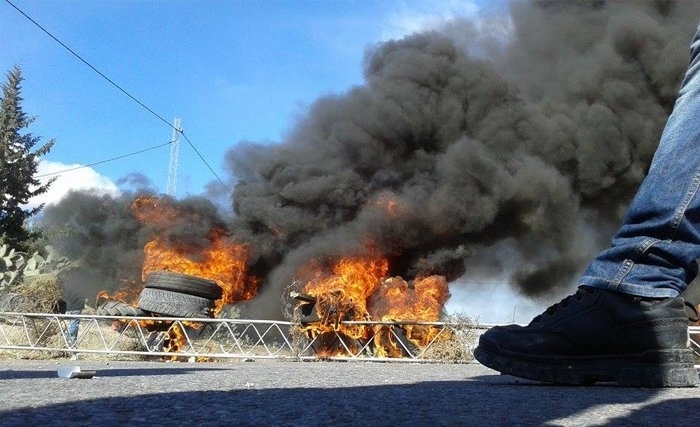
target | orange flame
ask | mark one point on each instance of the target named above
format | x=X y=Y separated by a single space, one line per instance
x=223 y=260
x=128 y=293
x=341 y=295
x=357 y=289
x=351 y=282
x=397 y=300
x=354 y=278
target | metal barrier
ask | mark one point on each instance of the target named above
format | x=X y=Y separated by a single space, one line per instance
x=66 y=335
x=163 y=337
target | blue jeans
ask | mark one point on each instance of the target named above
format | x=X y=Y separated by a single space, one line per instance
x=655 y=250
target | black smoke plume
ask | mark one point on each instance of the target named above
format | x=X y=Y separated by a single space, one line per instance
x=522 y=152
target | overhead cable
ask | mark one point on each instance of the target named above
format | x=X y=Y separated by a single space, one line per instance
x=202 y=158
x=133 y=98
x=104 y=161
x=88 y=64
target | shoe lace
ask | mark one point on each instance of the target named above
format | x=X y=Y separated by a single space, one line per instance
x=577 y=296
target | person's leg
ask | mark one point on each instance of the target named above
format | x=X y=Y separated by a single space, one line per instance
x=627 y=323
x=654 y=251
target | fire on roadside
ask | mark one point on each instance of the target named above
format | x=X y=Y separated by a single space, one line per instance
x=358 y=289
x=221 y=260
x=396 y=300
x=342 y=294
x=128 y=293
x=218 y=258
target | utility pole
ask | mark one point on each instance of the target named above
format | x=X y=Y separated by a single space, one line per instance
x=171 y=189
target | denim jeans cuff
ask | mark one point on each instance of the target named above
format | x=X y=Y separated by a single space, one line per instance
x=628 y=288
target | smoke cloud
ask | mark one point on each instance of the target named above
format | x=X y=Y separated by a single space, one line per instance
x=461 y=148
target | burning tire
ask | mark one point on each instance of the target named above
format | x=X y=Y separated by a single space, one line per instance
x=118 y=308
x=185 y=284
x=174 y=304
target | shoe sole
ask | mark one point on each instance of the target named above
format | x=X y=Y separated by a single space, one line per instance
x=664 y=368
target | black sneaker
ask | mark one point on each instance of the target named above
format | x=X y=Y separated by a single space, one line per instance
x=597 y=335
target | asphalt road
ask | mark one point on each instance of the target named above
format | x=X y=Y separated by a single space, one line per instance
x=278 y=393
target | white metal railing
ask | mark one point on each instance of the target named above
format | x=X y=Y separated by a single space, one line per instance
x=74 y=334
x=178 y=338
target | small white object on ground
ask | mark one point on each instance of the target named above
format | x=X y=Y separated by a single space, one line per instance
x=74 y=372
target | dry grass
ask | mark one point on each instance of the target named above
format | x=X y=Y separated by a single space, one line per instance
x=455 y=343
x=95 y=333
x=36 y=294
x=49 y=333
x=37 y=333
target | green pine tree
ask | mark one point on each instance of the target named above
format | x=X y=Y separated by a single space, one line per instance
x=18 y=166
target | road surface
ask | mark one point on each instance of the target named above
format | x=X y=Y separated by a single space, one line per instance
x=279 y=393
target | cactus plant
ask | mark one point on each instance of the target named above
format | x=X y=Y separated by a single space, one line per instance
x=31 y=283
x=10 y=267
x=15 y=265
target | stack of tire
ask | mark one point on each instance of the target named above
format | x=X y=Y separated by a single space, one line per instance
x=170 y=294
x=179 y=295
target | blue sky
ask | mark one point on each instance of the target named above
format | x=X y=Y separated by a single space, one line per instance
x=230 y=70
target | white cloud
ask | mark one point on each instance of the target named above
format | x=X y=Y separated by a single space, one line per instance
x=489 y=28
x=418 y=16
x=75 y=177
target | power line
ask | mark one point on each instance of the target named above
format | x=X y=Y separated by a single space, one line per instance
x=203 y=160
x=133 y=98
x=104 y=161
x=88 y=64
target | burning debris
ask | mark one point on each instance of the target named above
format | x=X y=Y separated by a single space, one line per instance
x=210 y=265
x=356 y=290
x=187 y=279
x=217 y=257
